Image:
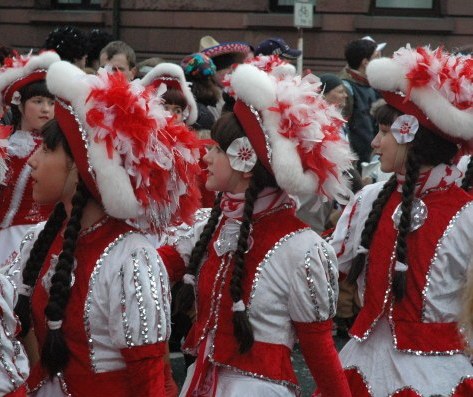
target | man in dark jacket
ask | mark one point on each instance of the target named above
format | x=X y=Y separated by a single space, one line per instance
x=362 y=126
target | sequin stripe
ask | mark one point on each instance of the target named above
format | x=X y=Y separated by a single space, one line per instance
x=447 y=231
x=200 y=216
x=126 y=326
x=331 y=286
x=269 y=150
x=88 y=300
x=7 y=368
x=385 y=300
x=266 y=259
x=63 y=384
x=12 y=273
x=16 y=346
x=154 y=294
x=462 y=379
x=213 y=304
x=17 y=196
x=406 y=389
x=311 y=284
x=165 y=292
x=139 y=298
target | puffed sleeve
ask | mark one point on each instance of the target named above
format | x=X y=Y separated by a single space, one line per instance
x=314 y=289
x=14 y=271
x=14 y=366
x=139 y=299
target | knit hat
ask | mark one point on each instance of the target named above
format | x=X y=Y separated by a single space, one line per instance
x=434 y=86
x=22 y=70
x=131 y=159
x=277 y=46
x=329 y=82
x=172 y=76
x=198 y=66
x=293 y=130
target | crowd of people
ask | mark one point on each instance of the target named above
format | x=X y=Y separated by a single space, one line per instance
x=229 y=208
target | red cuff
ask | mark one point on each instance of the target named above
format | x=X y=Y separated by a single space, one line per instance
x=20 y=392
x=319 y=352
x=143 y=352
x=145 y=369
x=173 y=262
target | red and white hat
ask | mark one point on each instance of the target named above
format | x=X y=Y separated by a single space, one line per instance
x=131 y=159
x=172 y=76
x=294 y=131
x=21 y=70
x=434 y=86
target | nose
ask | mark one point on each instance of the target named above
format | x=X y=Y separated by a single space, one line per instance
x=375 y=141
x=206 y=157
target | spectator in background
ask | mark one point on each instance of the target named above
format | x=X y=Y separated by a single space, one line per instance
x=277 y=46
x=98 y=39
x=5 y=52
x=200 y=71
x=119 y=56
x=147 y=65
x=362 y=127
x=70 y=43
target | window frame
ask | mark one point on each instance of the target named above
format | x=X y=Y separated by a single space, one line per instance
x=435 y=11
x=83 y=5
x=276 y=8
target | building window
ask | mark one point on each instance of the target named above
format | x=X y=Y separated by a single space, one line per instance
x=286 y=6
x=406 y=7
x=76 y=4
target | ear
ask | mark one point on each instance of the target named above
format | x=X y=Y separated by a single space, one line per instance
x=134 y=71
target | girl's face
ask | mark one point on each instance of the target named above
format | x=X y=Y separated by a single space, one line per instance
x=176 y=111
x=392 y=155
x=35 y=112
x=54 y=175
x=221 y=176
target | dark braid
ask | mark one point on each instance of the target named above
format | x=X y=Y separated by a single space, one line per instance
x=242 y=329
x=35 y=262
x=185 y=298
x=370 y=227
x=467 y=181
x=55 y=353
x=408 y=195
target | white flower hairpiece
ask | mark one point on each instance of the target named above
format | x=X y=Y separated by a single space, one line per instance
x=16 y=98
x=404 y=128
x=241 y=154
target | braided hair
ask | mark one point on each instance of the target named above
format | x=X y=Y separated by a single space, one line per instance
x=55 y=354
x=467 y=181
x=427 y=149
x=225 y=131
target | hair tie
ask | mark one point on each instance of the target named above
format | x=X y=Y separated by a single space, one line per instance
x=400 y=267
x=361 y=250
x=238 y=306
x=25 y=290
x=54 y=325
x=189 y=279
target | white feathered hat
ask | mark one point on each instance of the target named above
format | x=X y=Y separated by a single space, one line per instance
x=294 y=131
x=21 y=70
x=433 y=85
x=131 y=159
x=172 y=76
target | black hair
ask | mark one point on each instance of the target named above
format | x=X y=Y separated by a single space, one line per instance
x=467 y=181
x=205 y=90
x=55 y=353
x=357 y=50
x=98 y=39
x=224 y=132
x=5 y=52
x=69 y=42
x=427 y=149
x=37 y=88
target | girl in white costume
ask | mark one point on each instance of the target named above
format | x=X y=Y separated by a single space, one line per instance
x=407 y=242
x=262 y=278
